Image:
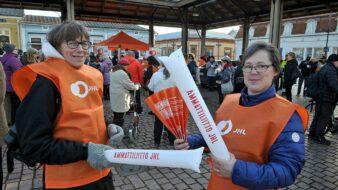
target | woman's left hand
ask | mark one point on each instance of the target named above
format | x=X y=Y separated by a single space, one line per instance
x=223 y=167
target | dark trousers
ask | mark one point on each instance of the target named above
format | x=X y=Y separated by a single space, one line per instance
x=300 y=84
x=288 y=93
x=105 y=183
x=118 y=118
x=158 y=129
x=220 y=94
x=324 y=111
x=139 y=108
x=106 y=91
x=15 y=103
x=211 y=82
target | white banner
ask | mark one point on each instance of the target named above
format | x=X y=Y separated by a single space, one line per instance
x=178 y=69
x=187 y=159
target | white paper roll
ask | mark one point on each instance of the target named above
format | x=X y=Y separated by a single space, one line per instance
x=187 y=159
x=178 y=69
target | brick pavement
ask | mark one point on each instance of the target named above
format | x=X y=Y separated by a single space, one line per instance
x=320 y=170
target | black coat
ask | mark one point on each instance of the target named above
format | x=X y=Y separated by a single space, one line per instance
x=291 y=72
x=328 y=83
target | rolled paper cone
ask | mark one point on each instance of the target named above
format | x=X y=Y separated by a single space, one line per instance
x=158 y=158
x=178 y=69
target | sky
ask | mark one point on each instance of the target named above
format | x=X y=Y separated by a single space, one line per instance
x=158 y=29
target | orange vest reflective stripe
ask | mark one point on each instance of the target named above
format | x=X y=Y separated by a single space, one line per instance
x=81 y=116
x=249 y=132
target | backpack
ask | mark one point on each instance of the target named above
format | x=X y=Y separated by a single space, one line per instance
x=312 y=89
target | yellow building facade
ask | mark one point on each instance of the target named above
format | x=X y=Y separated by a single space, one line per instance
x=216 y=44
x=10 y=27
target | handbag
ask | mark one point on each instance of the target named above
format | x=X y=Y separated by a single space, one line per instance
x=227 y=87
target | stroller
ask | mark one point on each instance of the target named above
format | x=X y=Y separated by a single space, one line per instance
x=131 y=132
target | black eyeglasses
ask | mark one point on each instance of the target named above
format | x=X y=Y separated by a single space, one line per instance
x=74 y=44
x=258 y=68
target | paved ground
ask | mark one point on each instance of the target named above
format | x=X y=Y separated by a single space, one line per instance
x=320 y=171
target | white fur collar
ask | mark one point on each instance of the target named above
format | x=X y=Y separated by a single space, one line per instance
x=50 y=51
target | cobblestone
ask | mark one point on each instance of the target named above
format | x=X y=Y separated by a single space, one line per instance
x=320 y=170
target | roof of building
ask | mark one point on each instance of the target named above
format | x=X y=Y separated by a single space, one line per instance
x=11 y=12
x=194 y=34
x=89 y=24
x=298 y=28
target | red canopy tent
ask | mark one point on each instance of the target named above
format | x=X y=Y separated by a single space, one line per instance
x=123 y=41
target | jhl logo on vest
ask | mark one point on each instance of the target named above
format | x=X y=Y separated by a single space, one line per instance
x=81 y=89
x=225 y=127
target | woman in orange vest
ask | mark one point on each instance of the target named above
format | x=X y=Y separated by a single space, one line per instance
x=263 y=131
x=60 y=122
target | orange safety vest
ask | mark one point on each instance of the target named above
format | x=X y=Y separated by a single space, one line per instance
x=81 y=116
x=249 y=132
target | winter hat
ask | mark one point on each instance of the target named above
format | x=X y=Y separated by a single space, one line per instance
x=9 y=48
x=332 y=58
x=124 y=62
x=226 y=58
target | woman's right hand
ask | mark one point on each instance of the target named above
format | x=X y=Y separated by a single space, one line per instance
x=181 y=144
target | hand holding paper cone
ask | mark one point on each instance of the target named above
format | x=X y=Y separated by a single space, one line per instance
x=170 y=108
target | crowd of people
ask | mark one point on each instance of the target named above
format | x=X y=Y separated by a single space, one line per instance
x=56 y=109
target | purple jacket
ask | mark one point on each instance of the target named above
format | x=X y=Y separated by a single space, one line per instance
x=105 y=69
x=10 y=63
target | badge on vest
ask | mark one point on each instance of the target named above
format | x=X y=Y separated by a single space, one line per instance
x=225 y=127
x=81 y=89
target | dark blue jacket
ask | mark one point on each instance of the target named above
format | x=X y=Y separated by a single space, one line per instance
x=286 y=157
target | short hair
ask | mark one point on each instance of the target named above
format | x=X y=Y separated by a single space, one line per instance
x=67 y=31
x=293 y=55
x=272 y=51
x=153 y=61
x=30 y=55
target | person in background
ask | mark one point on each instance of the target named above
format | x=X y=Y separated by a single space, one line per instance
x=224 y=75
x=32 y=56
x=211 y=67
x=159 y=81
x=60 y=122
x=278 y=153
x=3 y=119
x=135 y=70
x=120 y=85
x=106 y=66
x=153 y=66
x=291 y=74
x=192 y=66
x=99 y=55
x=238 y=76
x=326 y=102
x=11 y=64
x=115 y=59
x=42 y=56
x=304 y=67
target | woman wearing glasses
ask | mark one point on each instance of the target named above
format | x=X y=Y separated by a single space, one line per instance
x=263 y=132
x=60 y=122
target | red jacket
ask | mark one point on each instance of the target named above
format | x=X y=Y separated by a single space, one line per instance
x=135 y=69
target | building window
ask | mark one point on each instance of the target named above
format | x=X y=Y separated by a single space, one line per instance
x=335 y=50
x=3 y=40
x=308 y=52
x=36 y=43
x=209 y=50
x=193 y=50
x=318 y=53
x=227 y=51
x=299 y=53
